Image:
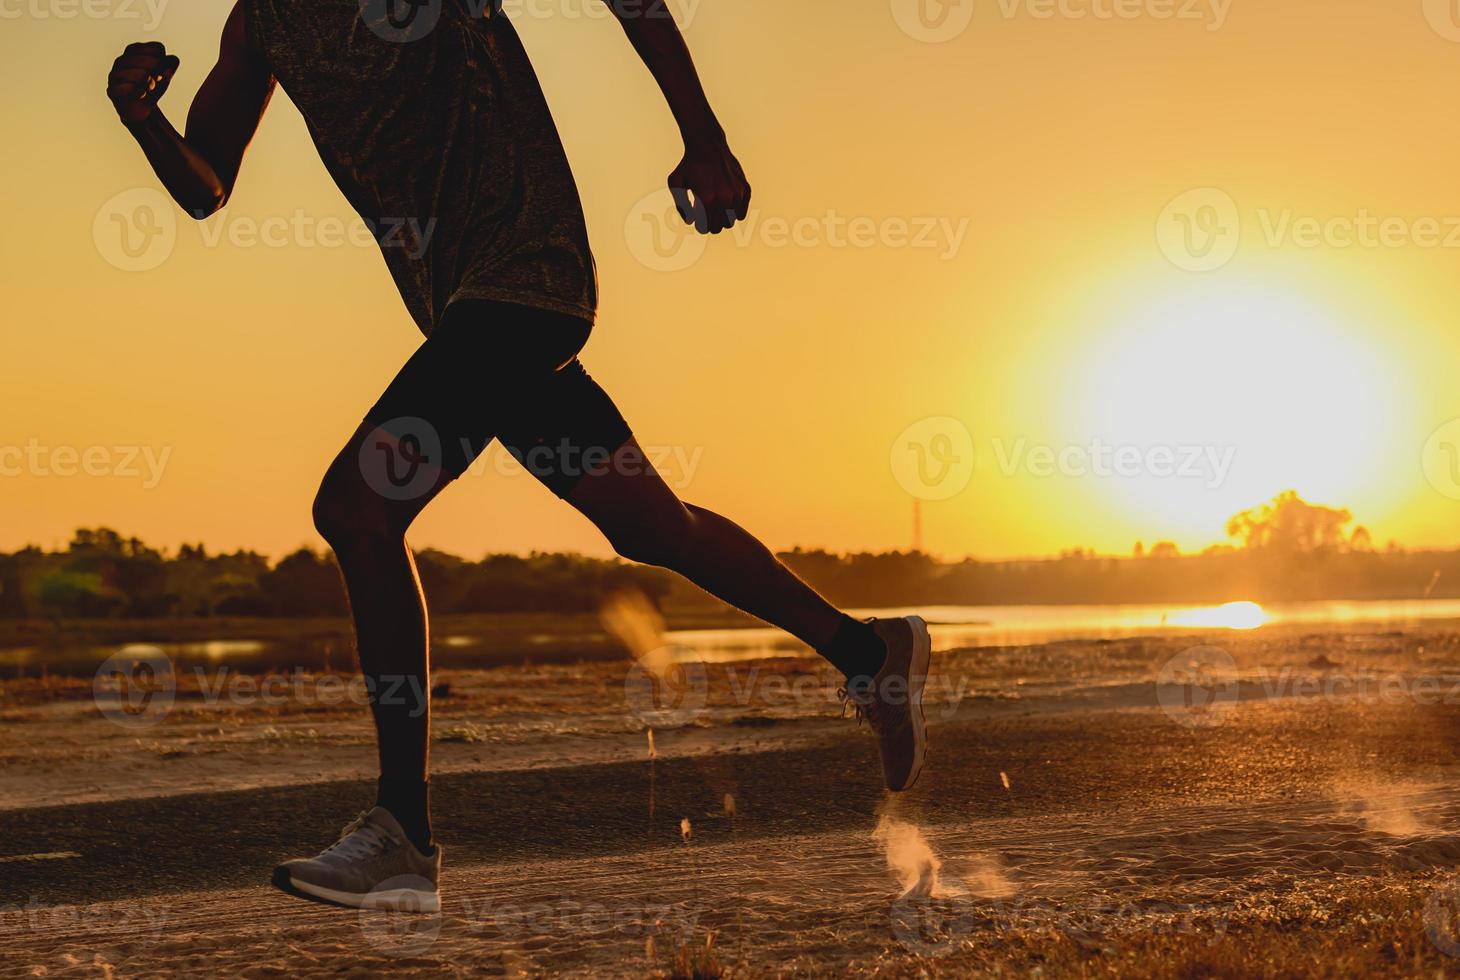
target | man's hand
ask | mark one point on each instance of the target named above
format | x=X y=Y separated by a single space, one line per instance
x=710 y=189
x=137 y=80
x=199 y=169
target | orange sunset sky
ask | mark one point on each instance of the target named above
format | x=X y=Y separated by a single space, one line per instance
x=1131 y=224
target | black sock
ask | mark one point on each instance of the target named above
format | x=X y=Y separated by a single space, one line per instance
x=856 y=649
x=409 y=801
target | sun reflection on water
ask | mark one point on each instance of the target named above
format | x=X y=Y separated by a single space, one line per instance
x=1229 y=615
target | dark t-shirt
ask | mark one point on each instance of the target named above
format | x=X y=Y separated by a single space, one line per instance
x=431 y=120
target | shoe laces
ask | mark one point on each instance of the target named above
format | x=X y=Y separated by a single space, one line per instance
x=360 y=840
x=864 y=707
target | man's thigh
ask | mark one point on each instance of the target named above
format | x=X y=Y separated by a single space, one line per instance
x=484 y=366
x=566 y=431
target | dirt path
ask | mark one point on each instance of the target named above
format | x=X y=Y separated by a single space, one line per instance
x=1114 y=822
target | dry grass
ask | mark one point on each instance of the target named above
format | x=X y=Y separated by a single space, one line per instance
x=467 y=733
x=1356 y=928
x=696 y=961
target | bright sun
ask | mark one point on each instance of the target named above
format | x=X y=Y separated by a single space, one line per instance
x=1273 y=391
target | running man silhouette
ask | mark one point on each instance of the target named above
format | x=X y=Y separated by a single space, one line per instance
x=430 y=118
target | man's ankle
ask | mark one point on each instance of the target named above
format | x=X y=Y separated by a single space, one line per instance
x=856 y=650
x=409 y=801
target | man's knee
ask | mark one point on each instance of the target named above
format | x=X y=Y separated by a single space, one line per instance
x=662 y=543
x=351 y=518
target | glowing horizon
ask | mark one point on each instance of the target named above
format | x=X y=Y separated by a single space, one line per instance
x=1049 y=166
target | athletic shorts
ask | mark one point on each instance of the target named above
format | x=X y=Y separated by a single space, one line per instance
x=497 y=370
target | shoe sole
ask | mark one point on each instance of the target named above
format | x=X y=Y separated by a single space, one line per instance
x=388 y=900
x=922 y=661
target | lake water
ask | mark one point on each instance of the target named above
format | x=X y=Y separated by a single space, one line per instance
x=981 y=626
x=951 y=626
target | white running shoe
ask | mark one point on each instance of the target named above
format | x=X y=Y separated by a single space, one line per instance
x=371 y=866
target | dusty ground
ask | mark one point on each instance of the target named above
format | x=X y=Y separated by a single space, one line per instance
x=1275 y=803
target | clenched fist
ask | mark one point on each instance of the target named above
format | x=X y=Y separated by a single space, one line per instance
x=721 y=194
x=137 y=80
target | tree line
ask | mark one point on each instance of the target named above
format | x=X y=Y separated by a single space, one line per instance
x=103 y=575
x=1285 y=549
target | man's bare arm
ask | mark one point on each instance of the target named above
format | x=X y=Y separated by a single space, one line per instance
x=199 y=169
x=709 y=185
